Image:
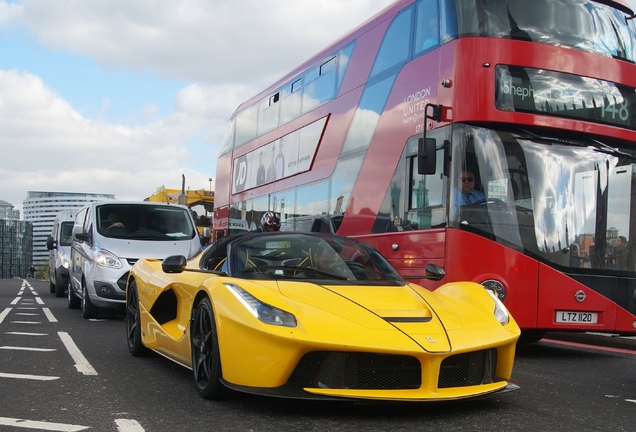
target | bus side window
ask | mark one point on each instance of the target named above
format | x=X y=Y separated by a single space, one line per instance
x=427 y=29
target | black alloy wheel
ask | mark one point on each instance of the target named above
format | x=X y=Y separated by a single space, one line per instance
x=133 y=322
x=206 y=362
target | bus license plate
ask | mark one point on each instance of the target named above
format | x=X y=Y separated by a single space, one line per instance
x=577 y=317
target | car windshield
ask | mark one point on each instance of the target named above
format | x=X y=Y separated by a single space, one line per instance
x=144 y=222
x=330 y=259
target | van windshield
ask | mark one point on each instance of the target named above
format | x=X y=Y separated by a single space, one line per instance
x=144 y=222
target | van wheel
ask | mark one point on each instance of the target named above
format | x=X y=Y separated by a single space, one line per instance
x=74 y=302
x=59 y=288
x=89 y=310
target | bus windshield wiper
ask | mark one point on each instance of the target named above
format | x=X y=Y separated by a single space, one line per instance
x=597 y=145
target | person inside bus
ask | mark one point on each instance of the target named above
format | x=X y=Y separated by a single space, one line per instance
x=432 y=36
x=620 y=253
x=465 y=193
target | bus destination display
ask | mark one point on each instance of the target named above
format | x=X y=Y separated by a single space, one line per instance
x=559 y=94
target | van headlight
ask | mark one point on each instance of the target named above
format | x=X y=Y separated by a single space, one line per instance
x=500 y=312
x=264 y=312
x=64 y=260
x=107 y=259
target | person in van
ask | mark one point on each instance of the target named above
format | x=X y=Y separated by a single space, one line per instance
x=111 y=222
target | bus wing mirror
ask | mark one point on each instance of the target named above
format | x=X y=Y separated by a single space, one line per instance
x=426 y=156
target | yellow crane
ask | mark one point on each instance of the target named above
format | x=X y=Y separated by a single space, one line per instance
x=190 y=199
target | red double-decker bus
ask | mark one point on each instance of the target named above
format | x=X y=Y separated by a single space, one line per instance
x=494 y=138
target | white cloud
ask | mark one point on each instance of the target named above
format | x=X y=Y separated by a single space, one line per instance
x=226 y=51
x=196 y=40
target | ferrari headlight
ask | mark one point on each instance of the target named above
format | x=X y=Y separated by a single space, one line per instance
x=264 y=312
x=500 y=312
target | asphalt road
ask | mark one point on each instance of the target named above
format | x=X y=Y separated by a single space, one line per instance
x=60 y=372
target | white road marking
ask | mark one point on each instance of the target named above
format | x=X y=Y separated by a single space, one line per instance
x=15 y=300
x=26 y=313
x=127 y=425
x=630 y=400
x=26 y=322
x=31 y=377
x=4 y=314
x=17 y=348
x=49 y=315
x=47 y=426
x=81 y=364
x=38 y=300
x=26 y=333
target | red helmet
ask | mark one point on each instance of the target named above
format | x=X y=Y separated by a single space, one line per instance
x=270 y=221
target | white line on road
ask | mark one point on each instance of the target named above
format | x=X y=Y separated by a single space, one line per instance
x=4 y=314
x=31 y=377
x=26 y=322
x=15 y=300
x=38 y=300
x=26 y=333
x=26 y=314
x=17 y=348
x=48 y=426
x=49 y=315
x=81 y=364
x=127 y=425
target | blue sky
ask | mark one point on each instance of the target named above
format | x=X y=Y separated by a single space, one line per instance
x=122 y=97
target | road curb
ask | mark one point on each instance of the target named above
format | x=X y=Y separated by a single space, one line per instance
x=598 y=339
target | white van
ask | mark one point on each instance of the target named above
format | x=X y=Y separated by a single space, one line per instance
x=59 y=246
x=109 y=237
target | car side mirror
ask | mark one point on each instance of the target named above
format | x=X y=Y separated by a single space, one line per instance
x=434 y=272
x=174 y=264
x=50 y=243
x=81 y=236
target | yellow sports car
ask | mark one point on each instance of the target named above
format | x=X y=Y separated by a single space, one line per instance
x=318 y=316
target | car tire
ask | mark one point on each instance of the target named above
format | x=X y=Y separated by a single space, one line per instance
x=51 y=286
x=89 y=310
x=74 y=302
x=133 y=322
x=59 y=288
x=206 y=361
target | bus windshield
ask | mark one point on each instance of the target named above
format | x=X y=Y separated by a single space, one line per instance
x=582 y=24
x=568 y=202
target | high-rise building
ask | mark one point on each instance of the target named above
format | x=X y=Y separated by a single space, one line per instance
x=40 y=208
x=15 y=243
